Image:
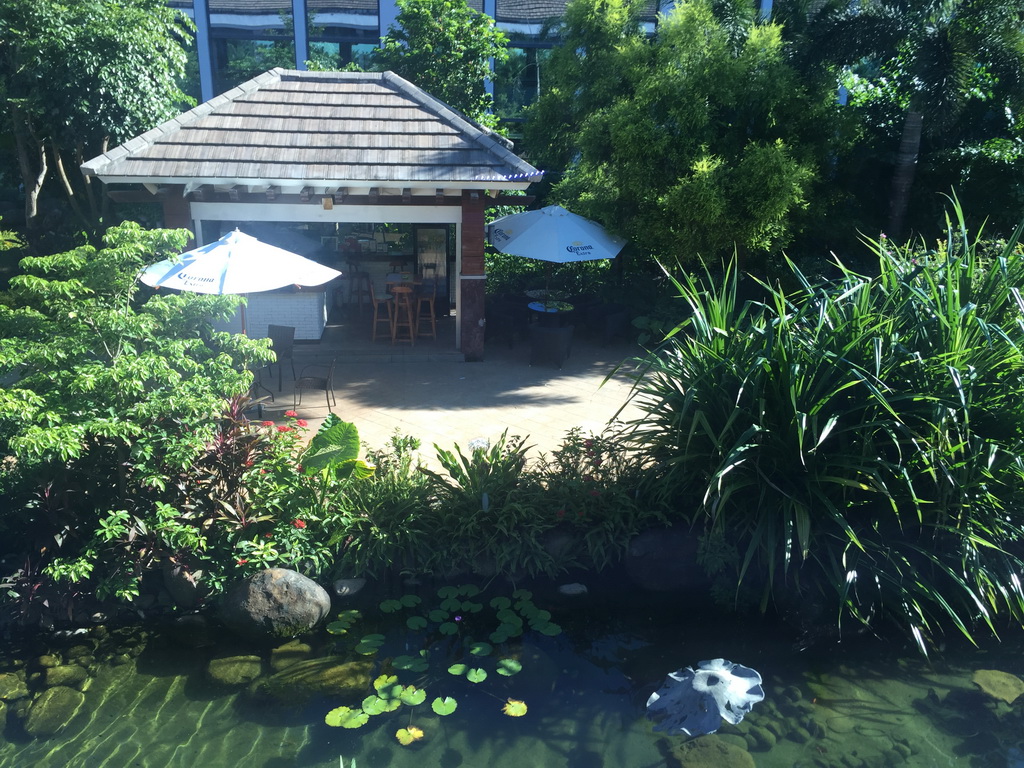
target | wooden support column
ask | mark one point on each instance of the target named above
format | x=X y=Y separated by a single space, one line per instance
x=471 y=279
x=177 y=214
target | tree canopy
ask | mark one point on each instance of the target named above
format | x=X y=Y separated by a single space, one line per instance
x=78 y=77
x=445 y=48
x=699 y=140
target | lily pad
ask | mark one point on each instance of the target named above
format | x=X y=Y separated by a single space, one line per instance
x=416 y=623
x=500 y=603
x=509 y=667
x=367 y=649
x=540 y=617
x=514 y=708
x=522 y=594
x=510 y=617
x=346 y=717
x=385 y=682
x=448 y=628
x=451 y=604
x=390 y=606
x=410 y=601
x=437 y=615
x=375 y=705
x=498 y=637
x=407 y=736
x=481 y=649
x=469 y=590
x=458 y=669
x=410 y=663
x=446 y=592
x=550 y=629
x=413 y=696
x=470 y=607
x=476 y=675
x=444 y=706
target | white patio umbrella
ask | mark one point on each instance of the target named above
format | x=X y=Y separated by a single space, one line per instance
x=236 y=263
x=554 y=235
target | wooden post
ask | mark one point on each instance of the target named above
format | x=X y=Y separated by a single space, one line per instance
x=471 y=279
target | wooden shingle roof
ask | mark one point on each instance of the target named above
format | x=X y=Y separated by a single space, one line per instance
x=323 y=130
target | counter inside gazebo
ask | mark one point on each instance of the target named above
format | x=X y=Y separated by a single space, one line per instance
x=333 y=153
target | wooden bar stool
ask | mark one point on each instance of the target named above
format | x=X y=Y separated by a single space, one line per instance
x=425 y=307
x=403 y=329
x=388 y=316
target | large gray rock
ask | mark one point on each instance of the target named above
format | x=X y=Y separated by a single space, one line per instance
x=234 y=670
x=274 y=604
x=664 y=560
x=329 y=676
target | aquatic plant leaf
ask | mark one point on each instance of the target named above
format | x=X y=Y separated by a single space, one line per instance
x=339 y=627
x=522 y=594
x=410 y=663
x=514 y=708
x=471 y=607
x=469 y=590
x=458 y=669
x=525 y=607
x=550 y=629
x=385 y=682
x=375 y=705
x=416 y=622
x=390 y=606
x=500 y=603
x=511 y=630
x=437 y=615
x=367 y=649
x=451 y=604
x=446 y=592
x=407 y=736
x=346 y=717
x=410 y=601
x=498 y=637
x=539 y=617
x=413 y=696
x=448 y=628
x=373 y=638
x=509 y=617
x=481 y=649
x=509 y=667
x=476 y=675
x=444 y=706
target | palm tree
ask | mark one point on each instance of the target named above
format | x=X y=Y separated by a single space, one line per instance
x=938 y=54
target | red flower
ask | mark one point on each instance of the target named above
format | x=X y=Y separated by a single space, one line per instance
x=290 y=414
x=283 y=428
x=302 y=423
x=241 y=561
x=266 y=536
x=266 y=423
x=300 y=524
x=560 y=514
x=298 y=467
x=263 y=471
x=248 y=463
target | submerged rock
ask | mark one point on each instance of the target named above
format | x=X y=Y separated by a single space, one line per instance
x=348 y=587
x=304 y=680
x=12 y=687
x=52 y=710
x=999 y=685
x=288 y=654
x=711 y=752
x=274 y=604
x=70 y=675
x=234 y=670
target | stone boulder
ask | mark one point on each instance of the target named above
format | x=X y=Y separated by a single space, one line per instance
x=52 y=710
x=275 y=604
x=304 y=680
x=234 y=671
x=12 y=687
x=711 y=752
x=70 y=675
x=665 y=560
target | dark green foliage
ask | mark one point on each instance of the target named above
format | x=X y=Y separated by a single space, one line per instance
x=445 y=48
x=860 y=439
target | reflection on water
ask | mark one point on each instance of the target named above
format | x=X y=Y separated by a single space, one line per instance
x=148 y=702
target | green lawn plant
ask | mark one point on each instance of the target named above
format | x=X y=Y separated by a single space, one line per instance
x=463 y=637
x=858 y=443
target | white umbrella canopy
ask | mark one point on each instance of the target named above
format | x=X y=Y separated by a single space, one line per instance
x=237 y=263
x=553 y=234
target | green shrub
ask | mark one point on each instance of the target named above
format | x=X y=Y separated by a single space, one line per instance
x=860 y=438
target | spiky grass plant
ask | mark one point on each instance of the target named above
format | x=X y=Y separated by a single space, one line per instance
x=860 y=438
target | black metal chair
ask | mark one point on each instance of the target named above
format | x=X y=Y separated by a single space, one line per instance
x=550 y=344
x=282 y=338
x=316 y=378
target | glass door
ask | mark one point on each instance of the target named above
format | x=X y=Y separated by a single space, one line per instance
x=432 y=262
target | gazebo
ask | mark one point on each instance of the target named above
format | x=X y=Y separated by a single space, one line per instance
x=330 y=148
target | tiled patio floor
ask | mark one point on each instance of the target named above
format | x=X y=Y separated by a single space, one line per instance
x=427 y=391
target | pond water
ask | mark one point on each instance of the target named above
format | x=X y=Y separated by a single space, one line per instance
x=149 y=700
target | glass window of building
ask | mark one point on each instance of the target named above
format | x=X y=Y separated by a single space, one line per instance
x=250 y=37
x=342 y=32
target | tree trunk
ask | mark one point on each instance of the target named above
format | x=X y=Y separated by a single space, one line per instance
x=26 y=145
x=903 y=173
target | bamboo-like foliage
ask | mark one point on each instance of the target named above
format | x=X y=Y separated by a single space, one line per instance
x=861 y=438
